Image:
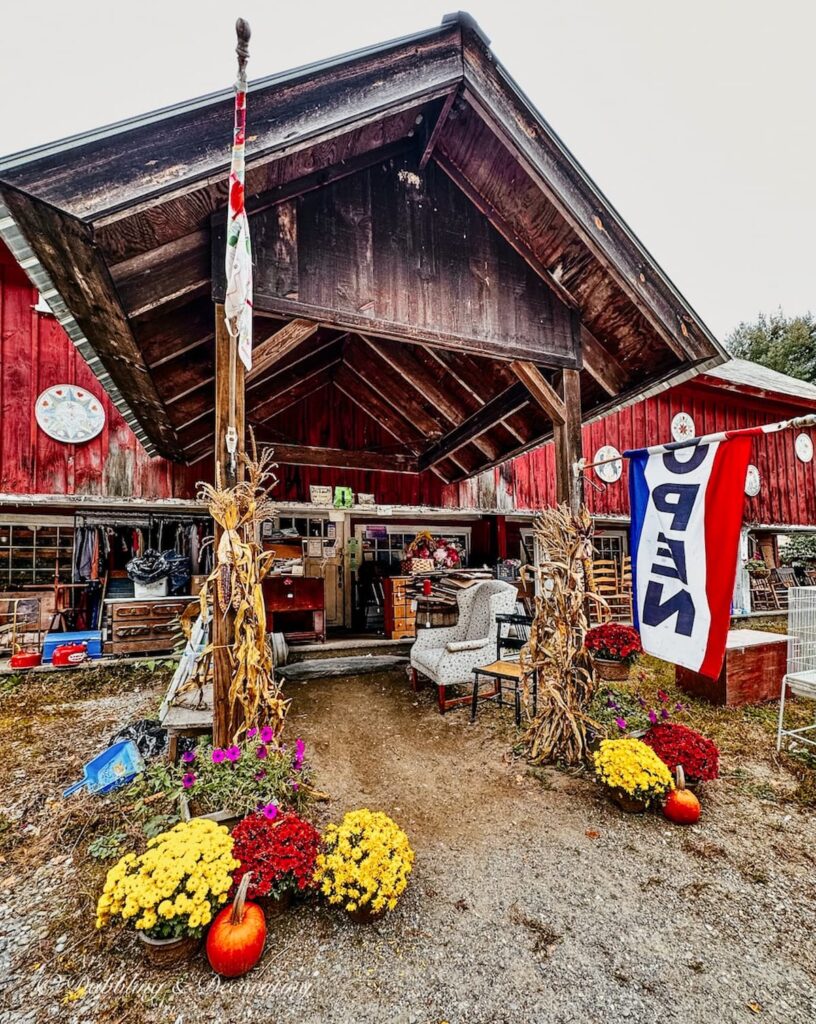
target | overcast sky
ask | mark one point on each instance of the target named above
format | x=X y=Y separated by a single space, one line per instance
x=695 y=117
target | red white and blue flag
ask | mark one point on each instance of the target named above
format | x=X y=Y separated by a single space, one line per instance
x=687 y=503
x=238 y=300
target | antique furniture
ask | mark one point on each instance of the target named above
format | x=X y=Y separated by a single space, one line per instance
x=612 y=581
x=506 y=669
x=400 y=616
x=449 y=655
x=754 y=664
x=143 y=627
x=782 y=579
x=800 y=675
x=295 y=606
x=763 y=596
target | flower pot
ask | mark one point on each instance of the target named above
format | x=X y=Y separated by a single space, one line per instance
x=274 y=906
x=627 y=803
x=611 y=670
x=366 y=915
x=169 y=952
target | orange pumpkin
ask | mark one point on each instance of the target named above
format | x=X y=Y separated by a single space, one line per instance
x=682 y=807
x=236 y=937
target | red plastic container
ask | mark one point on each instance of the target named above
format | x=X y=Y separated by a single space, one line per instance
x=25 y=659
x=70 y=654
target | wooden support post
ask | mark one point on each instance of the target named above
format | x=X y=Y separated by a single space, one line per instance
x=224 y=715
x=569 y=485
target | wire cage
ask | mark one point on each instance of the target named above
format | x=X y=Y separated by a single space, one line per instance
x=800 y=678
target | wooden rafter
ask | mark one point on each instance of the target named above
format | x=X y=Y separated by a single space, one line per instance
x=271 y=351
x=541 y=390
x=437 y=129
x=601 y=364
x=306 y=455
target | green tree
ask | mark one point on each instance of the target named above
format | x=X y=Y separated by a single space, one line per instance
x=786 y=344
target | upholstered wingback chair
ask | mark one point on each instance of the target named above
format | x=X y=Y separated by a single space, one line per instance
x=448 y=656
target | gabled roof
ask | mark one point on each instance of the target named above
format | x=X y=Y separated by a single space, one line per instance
x=114 y=227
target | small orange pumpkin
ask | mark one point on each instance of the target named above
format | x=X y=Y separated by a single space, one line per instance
x=682 y=807
x=236 y=937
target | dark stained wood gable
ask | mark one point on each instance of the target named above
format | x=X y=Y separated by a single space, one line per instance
x=404 y=254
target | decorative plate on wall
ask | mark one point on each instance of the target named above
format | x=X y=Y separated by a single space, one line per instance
x=69 y=413
x=612 y=471
x=804 y=448
x=682 y=427
x=752 y=482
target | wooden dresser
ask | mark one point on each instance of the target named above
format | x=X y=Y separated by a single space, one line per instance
x=296 y=607
x=400 y=620
x=136 y=626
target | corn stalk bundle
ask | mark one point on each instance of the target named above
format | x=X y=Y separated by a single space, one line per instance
x=556 y=647
x=236 y=585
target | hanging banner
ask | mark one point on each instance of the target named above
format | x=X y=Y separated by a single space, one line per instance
x=687 y=504
x=238 y=300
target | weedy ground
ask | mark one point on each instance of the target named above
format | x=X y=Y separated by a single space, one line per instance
x=533 y=898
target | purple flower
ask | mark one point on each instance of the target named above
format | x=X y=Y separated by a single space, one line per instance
x=678 y=706
x=300 y=749
x=270 y=811
x=188 y=756
x=664 y=713
x=252 y=733
x=233 y=753
x=611 y=704
x=218 y=755
x=653 y=716
x=188 y=780
x=260 y=774
x=262 y=751
x=295 y=785
x=641 y=701
x=620 y=723
x=267 y=734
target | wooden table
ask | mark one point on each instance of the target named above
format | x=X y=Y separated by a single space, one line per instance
x=295 y=596
x=755 y=662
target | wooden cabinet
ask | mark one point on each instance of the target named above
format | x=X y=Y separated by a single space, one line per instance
x=400 y=619
x=295 y=606
x=143 y=627
x=752 y=671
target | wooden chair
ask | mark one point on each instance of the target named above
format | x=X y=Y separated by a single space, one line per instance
x=763 y=596
x=782 y=580
x=606 y=581
x=505 y=669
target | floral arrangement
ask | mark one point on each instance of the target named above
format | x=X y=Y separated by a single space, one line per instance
x=678 y=744
x=280 y=852
x=756 y=567
x=614 y=642
x=617 y=711
x=629 y=765
x=365 y=862
x=257 y=774
x=175 y=886
x=444 y=554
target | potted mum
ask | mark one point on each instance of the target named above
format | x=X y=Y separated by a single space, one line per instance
x=677 y=744
x=632 y=773
x=613 y=647
x=279 y=853
x=170 y=893
x=364 y=864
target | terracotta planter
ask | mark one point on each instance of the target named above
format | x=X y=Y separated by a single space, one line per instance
x=365 y=915
x=274 y=906
x=169 y=952
x=611 y=670
x=627 y=803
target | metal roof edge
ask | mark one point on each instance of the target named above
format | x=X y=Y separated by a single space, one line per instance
x=41 y=280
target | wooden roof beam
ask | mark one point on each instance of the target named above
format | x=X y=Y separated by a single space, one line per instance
x=305 y=455
x=541 y=390
x=437 y=128
x=505 y=403
x=602 y=365
x=274 y=348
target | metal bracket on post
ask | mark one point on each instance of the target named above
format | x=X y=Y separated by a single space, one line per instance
x=231 y=441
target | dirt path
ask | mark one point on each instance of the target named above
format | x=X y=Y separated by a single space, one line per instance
x=532 y=898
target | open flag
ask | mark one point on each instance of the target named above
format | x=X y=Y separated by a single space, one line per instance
x=687 y=501
x=238 y=300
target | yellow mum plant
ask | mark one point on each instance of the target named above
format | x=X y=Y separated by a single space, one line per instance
x=174 y=887
x=365 y=862
x=633 y=767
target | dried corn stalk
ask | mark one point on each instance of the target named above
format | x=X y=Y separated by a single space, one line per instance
x=235 y=582
x=556 y=648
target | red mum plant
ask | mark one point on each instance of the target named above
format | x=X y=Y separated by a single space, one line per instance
x=678 y=744
x=614 y=642
x=280 y=852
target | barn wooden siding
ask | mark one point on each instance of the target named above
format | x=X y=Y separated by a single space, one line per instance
x=36 y=353
x=788 y=486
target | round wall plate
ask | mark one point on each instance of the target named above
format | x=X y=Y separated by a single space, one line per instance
x=804 y=448
x=611 y=471
x=682 y=427
x=69 y=413
x=752 y=483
